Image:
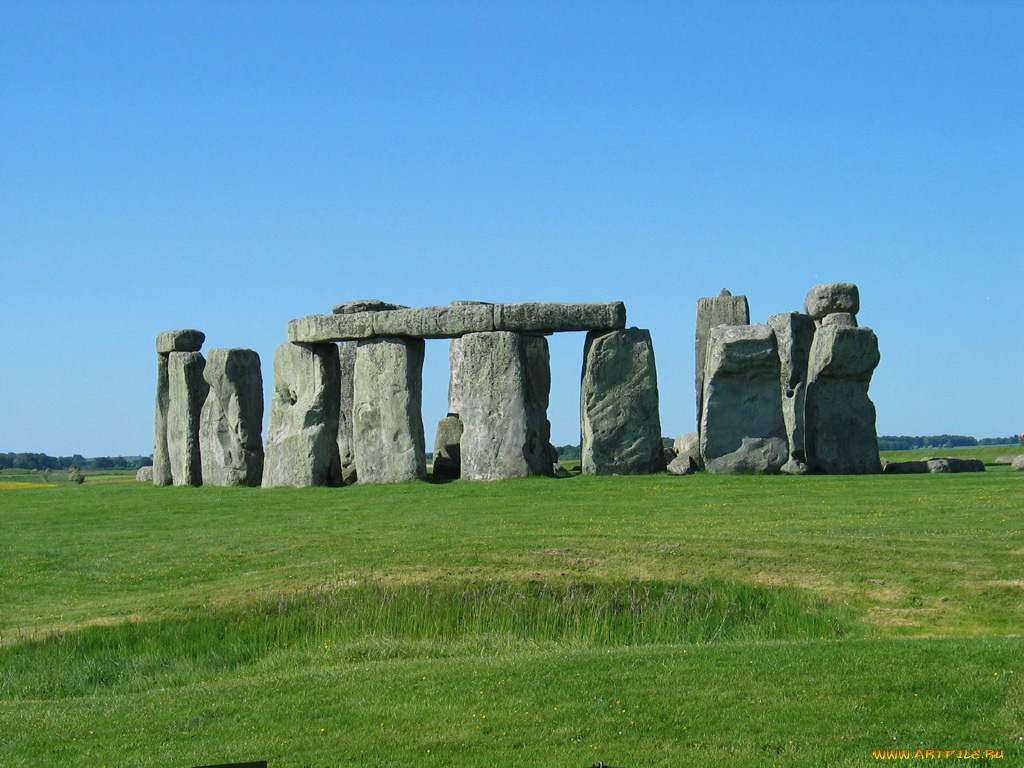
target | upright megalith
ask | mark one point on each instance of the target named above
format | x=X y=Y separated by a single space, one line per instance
x=231 y=422
x=302 y=437
x=742 y=427
x=503 y=406
x=840 y=418
x=346 y=380
x=387 y=428
x=186 y=340
x=712 y=311
x=619 y=417
x=794 y=333
x=186 y=391
x=447 y=462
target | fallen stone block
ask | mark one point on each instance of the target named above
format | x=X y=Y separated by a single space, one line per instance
x=942 y=464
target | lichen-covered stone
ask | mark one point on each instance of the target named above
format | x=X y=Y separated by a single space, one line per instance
x=552 y=317
x=435 y=322
x=844 y=319
x=743 y=429
x=144 y=475
x=319 y=329
x=387 y=428
x=905 y=468
x=724 y=309
x=455 y=377
x=840 y=417
x=794 y=334
x=161 y=459
x=1018 y=463
x=681 y=465
x=231 y=423
x=619 y=417
x=302 y=437
x=953 y=464
x=365 y=305
x=187 y=391
x=688 y=446
x=828 y=298
x=188 y=340
x=447 y=462
x=504 y=406
x=346 y=379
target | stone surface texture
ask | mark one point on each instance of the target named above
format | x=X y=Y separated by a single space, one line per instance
x=302 y=437
x=724 y=309
x=455 y=377
x=688 y=446
x=188 y=340
x=503 y=406
x=231 y=422
x=187 y=391
x=552 y=317
x=318 y=329
x=365 y=305
x=1018 y=463
x=435 y=322
x=447 y=462
x=161 y=459
x=794 y=334
x=681 y=465
x=840 y=417
x=619 y=417
x=905 y=468
x=845 y=319
x=941 y=464
x=144 y=475
x=346 y=380
x=387 y=428
x=828 y=298
x=742 y=427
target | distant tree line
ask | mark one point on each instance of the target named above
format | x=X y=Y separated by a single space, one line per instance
x=42 y=462
x=906 y=443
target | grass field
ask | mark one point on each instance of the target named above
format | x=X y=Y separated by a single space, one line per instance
x=646 y=621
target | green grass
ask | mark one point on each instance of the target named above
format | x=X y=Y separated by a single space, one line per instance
x=654 y=620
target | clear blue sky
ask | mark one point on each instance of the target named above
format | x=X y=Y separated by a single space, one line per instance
x=231 y=165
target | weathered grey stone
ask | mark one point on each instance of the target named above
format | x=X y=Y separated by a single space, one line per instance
x=557 y=470
x=794 y=334
x=619 y=417
x=186 y=394
x=231 y=423
x=447 y=455
x=953 y=464
x=668 y=455
x=742 y=428
x=455 y=377
x=828 y=298
x=840 y=417
x=188 y=340
x=346 y=378
x=318 y=329
x=365 y=305
x=1007 y=460
x=688 y=446
x=144 y=475
x=1018 y=463
x=387 y=427
x=905 y=467
x=435 y=322
x=724 y=309
x=161 y=459
x=844 y=319
x=302 y=437
x=504 y=406
x=551 y=317
x=681 y=465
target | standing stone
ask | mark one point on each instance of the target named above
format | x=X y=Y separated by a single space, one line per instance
x=447 y=455
x=346 y=378
x=187 y=391
x=302 y=437
x=504 y=394
x=455 y=356
x=743 y=429
x=828 y=298
x=840 y=418
x=231 y=423
x=794 y=334
x=387 y=428
x=619 y=418
x=161 y=459
x=724 y=309
x=840 y=318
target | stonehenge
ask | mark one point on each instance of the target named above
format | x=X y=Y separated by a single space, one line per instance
x=789 y=396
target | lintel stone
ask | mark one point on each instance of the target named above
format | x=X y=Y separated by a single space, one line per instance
x=551 y=317
x=317 y=329
x=435 y=322
x=188 y=340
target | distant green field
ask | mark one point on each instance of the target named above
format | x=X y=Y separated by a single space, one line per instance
x=659 y=620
